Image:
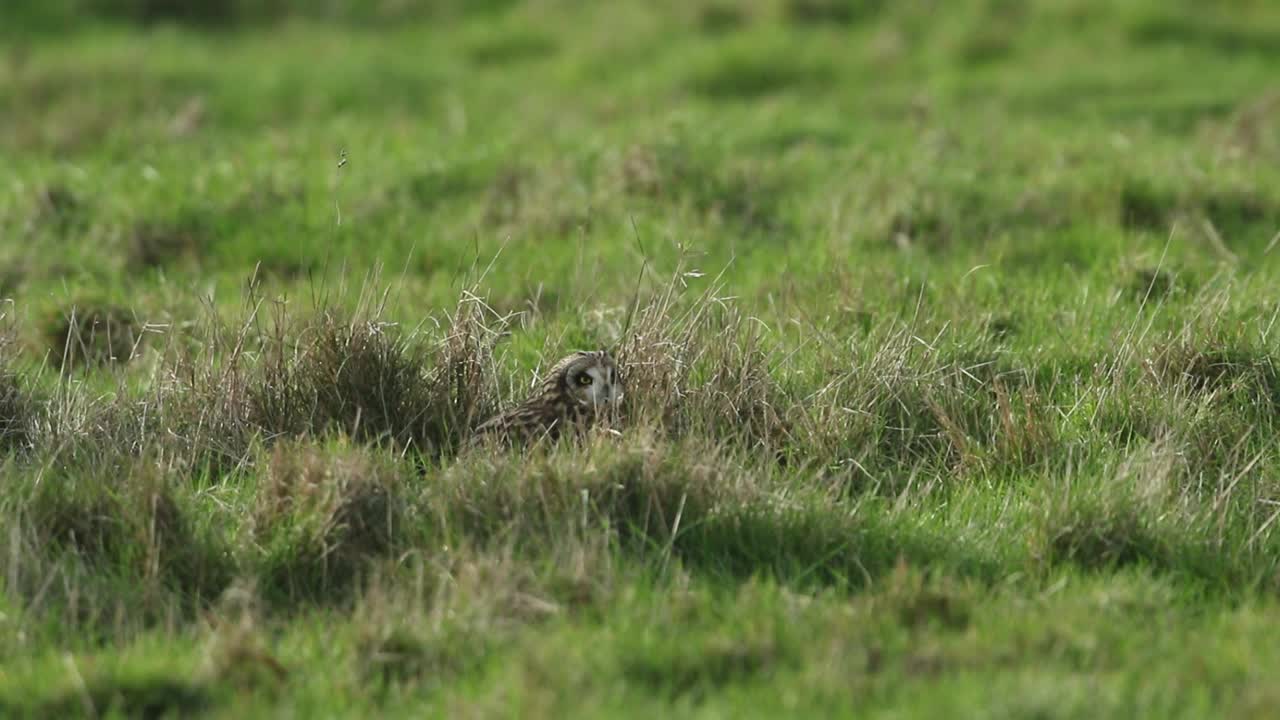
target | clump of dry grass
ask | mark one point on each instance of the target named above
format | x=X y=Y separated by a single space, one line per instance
x=701 y=367
x=537 y=200
x=1208 y=392
x=92 y=334
x=353 y=376
x=1098 y=536
x=18 y=409
x=373 y=382
x=321 y=514
x=156 y=244
x=893 y=401
x=920 y=600
x=460 y=381
x=681 y=171
x=430 y=617
x=435 y=619
x=1204 y=369
x=15 y=411
x=84 y=519
x=59 y=208
x=122 y=536
x=236 y=651
x=1129 y=514
x=218 y=390
x=641 y=491
x=894 y=404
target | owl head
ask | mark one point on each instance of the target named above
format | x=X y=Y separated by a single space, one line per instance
x=588 y=379
x=579 y=390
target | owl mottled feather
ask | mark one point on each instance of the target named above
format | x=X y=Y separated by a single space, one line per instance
x=576 y=392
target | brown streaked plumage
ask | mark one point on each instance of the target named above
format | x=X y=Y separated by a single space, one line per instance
x=576 y=392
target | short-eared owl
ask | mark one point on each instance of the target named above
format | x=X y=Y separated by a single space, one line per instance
x=577 y=391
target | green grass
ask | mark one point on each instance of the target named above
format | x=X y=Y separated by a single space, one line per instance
x=949 y=333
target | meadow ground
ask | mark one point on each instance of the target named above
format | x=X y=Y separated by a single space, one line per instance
x=949 y=328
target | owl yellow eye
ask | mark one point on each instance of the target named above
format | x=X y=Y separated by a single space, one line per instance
x=584 y=379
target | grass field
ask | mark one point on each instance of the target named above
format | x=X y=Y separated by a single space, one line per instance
x=949 y=331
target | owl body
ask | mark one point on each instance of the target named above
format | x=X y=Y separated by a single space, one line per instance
x=578 y=391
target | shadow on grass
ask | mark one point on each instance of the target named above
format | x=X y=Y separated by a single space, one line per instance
x=132 y=698
x=810 y=548
x=1227 y=39
x=749 y=76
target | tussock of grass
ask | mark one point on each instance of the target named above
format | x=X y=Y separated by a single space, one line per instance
x=236 y=652
x=643 y=492
x=695 y=669
x=910 y=404
x=202 y=12
x=15 y=413
x=121 y=535
x=690 y=655
x=1149 y=511
x=155 y=245
x=217 y=391
x=719 y=512
x=935 y=212
x=543 y=200
x=694 y=387
x=145 y=697
x=92 y=333
x=1218 y=369
x=675 y=169
x=1209 y=394
x=18 y=409
x=1145 y=206
x=1234 y=217
x=355 y=376
x=436 y=187
x=60 y=208
x=922 y=601
x=1155 y=285
x=1104 y=532
x=321 y=516
x=402 y=639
